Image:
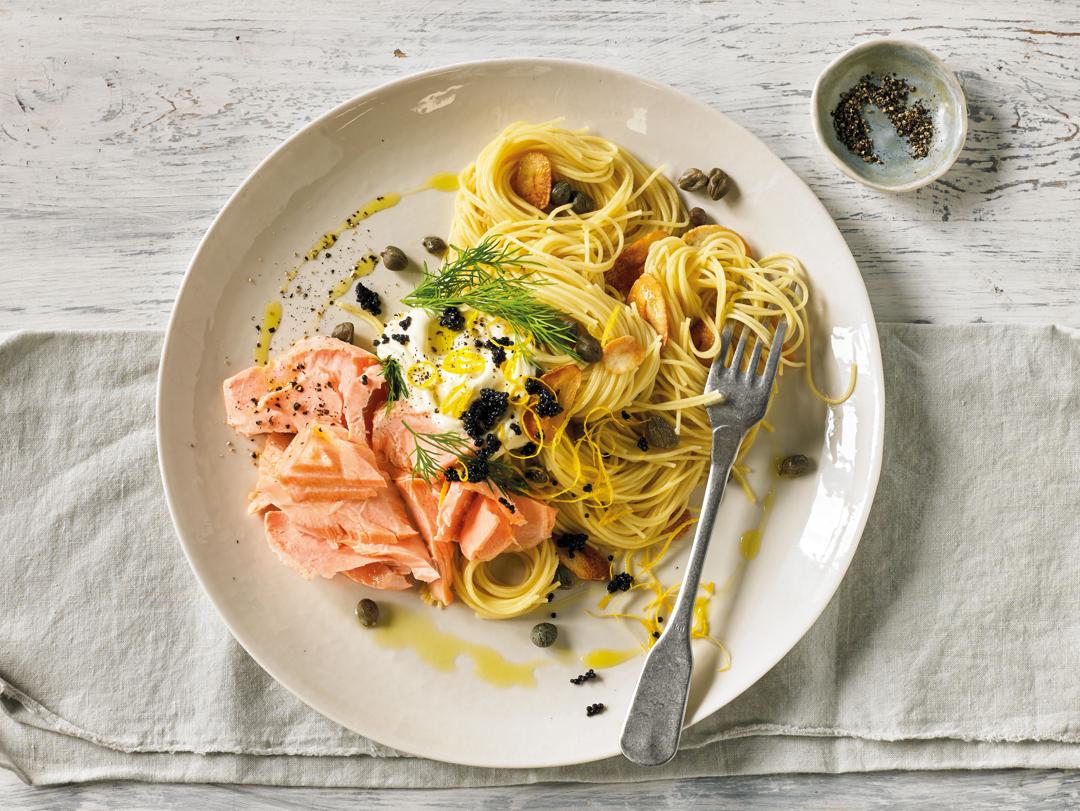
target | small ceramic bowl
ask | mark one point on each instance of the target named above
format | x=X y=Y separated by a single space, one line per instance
x=934 y=84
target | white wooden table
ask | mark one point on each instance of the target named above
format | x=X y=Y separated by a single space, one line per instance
x=123 y=130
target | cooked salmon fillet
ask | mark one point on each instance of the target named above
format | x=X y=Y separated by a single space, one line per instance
x=422 y=502
x=308 y=555
x=378 y=576
x=319 y=379
x=312 y=556
x=395 y=446
x=329 y=487
x=336 y=484
x=537 y=524
x=268 y=459
x=323 y=463
x=485 y=531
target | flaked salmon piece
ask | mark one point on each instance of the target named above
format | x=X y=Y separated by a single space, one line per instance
x=485 y=532
x=306 y=554
x=323 y=463
x=454 y=506
x=502 y=503
x=395 y=446
x=491 y=527
x=537 y=522
x=268 y=459
x=353 y=372
x=443 y=588
x=378 y=576
x=380 y=519
x=407 y=553
x=319 y=379
x=422 y=502
x=311 y=555
x=341 y=522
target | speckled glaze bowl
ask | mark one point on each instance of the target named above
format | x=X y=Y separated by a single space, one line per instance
x=935 y=85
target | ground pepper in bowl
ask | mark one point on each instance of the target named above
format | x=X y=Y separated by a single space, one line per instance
x=889 y=93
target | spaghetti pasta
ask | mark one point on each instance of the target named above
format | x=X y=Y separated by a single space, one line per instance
x=605 y=480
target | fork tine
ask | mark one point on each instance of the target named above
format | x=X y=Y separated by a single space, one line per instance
x=717 y=367
x=755 y=355
x=736 y=359
x=725 y=342
x=775 y=351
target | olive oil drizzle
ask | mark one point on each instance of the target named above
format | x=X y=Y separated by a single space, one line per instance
x=602 y=658
x=271 y=320
x=750 y=541
x=440 y=181
x=407 y=629
x=343 y=285
x=330 y=238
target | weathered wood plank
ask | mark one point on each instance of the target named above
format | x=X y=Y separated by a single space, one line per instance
x=121 y=133
x=972 y=791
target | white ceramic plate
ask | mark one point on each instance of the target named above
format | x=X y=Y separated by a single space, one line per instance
x=304 y=633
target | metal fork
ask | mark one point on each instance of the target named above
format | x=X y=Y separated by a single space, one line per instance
x=650 y=735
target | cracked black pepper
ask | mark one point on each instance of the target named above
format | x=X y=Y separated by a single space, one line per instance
x=889 y=93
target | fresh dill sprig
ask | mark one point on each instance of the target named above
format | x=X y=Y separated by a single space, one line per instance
x=395 y=381
x=497 y=472
x=506 y=477
x=424 y=464
x=480 y=278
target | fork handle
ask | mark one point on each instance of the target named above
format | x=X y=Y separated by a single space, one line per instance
x=650 y=735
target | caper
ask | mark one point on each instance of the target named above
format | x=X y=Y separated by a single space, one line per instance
x=435 y=245
x=692 y=180
x=544 y=634
x=564 y=577
x=586 y=346
x=581 y=203
x=537 y=475
x=393 y=258
x=367 y=611
x=343 y=332
x=719 y=183
x=698 y=217
x=794 y=466
x=561 y=194
x=660 y=434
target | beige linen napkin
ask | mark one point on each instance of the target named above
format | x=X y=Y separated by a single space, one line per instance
x=954 y=641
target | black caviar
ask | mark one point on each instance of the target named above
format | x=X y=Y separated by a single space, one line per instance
x=452 y=319
x=588 y=675
x=498 y=353
x=643 y=444
x=487 y=447
x=594 y=709
x=547 y=404
x=572 y=542
x=368 y=299
x=476 y=470
x=620 y=582
x=484 y=412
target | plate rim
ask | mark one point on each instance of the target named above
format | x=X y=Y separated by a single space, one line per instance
x=167 y=348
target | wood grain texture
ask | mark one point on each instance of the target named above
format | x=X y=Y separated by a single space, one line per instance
x=888 y=791
x=123 y=129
